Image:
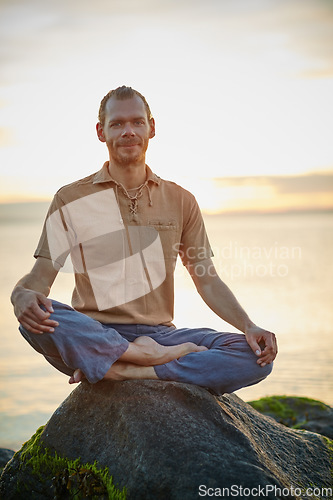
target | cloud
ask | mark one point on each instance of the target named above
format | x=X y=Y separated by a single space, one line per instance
x=307 y=184
x=284 y=184
x=275 y=193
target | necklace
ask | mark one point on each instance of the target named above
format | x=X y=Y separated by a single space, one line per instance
x=133 y=205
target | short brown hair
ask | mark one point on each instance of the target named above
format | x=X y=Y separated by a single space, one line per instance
x=121 y=93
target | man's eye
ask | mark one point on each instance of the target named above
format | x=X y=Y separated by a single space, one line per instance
x=115 y=124
x=139 y=122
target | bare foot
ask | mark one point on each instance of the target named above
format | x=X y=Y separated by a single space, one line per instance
x=129 y=371
x=151 y=353
x=120 y=371
x=76 y=377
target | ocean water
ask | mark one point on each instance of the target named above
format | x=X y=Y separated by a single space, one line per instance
x=278 y=266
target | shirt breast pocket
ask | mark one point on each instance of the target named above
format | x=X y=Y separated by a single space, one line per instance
x=169 y=236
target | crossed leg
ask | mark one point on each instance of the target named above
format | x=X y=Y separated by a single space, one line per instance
x=139 y=359
x=227 y=365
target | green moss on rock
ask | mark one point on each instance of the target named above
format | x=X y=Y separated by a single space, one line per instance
x=61 y=477
x=291 y=411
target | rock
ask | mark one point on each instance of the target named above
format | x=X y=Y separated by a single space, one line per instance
x=172 y=441
x=5 y=456
x=298 y=413
x=36 y=474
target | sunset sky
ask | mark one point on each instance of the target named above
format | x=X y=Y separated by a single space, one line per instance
x=241 y=90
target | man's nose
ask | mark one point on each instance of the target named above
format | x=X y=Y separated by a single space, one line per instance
x=128 y=130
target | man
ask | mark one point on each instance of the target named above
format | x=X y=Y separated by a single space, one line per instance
x=123 y=228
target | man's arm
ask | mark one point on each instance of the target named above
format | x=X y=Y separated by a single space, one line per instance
x=221 y=300
x=30 y=293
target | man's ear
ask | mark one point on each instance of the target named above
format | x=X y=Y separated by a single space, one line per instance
x=100 y=132
x=152 y=128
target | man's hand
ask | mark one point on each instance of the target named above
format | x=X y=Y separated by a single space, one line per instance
x=263 y=344
x=29 y=313
x=30 y=294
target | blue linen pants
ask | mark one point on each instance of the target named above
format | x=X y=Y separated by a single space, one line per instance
x=82 y=342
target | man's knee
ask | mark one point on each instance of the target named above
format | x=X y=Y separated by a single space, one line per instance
x=264 y=371
x=268 y=368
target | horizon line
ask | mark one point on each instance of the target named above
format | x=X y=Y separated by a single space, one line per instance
x=206 y=212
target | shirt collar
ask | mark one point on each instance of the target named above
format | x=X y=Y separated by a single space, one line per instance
x=103 y=175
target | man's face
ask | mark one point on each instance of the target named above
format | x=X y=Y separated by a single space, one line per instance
x=126 y=130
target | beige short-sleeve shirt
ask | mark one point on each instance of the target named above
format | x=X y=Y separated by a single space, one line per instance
x=124 y=250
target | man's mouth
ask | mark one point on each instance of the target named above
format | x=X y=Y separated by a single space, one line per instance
x=128 y=144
